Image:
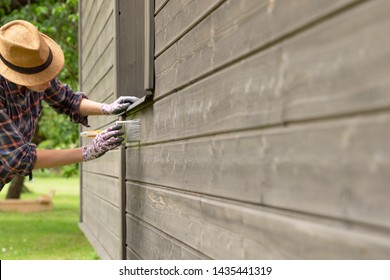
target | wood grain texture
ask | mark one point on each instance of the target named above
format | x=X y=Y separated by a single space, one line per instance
x=102 y=234
x=131 y=255
x=234 y=30
x=131 y=48
x=319 y=73
x=224 y=230
x=100 y=122
x=337 y=168
x=158 y=4
x=151 y=244
x=108 y=165
x=177 y=17
x=88 y=15
x=101 y=12
x=94 y=52
x=103 y=187
x=102 y=66
x=107 y=213
x=103 y=91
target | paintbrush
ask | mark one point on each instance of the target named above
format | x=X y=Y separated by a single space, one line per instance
x=131 y=129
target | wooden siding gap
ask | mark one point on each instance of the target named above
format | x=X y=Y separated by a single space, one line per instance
x=97 y=246
x=188 y=28
x=262 y=229
x=282 y=167
x=100 y=89
x=269 y=127
x=132 y=255
x=94 y=52
x=108 y=240
x=102 y=15
x=101 y=67
x=157 y=231
x=159 y=6
x=363 y=226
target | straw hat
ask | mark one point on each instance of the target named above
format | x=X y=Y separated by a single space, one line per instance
x=28 y=57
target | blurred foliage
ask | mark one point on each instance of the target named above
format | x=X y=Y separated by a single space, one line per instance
x=59 y=20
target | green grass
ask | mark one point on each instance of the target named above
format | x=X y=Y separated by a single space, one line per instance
x=47 y=235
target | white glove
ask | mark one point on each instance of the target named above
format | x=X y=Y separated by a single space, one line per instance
x=103 y=142
x=118 y=106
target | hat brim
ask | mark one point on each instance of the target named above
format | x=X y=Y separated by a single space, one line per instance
x=39 y=78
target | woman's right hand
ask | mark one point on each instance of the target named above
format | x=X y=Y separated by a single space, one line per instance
x=107 y=140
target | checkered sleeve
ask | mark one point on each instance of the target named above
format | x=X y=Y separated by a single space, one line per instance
x=65 y=101
x=16 y=155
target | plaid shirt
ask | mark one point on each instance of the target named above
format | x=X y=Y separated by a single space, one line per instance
x=19 y=114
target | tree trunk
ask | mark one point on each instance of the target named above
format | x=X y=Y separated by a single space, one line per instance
x=15 y=190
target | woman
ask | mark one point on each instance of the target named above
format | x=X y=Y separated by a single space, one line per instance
x=29 y=65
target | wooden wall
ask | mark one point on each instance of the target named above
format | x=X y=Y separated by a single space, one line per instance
x=267 y=137
x=268 y=134
x=100 y=185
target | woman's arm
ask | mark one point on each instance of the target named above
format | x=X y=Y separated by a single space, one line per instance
x=108 y=139
x=89 y=107
x=55 y=158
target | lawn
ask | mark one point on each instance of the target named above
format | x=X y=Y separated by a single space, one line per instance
x=46 y=235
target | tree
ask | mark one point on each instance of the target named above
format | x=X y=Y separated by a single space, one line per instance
x=59 y=20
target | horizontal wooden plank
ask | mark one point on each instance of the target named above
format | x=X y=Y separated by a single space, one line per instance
x=232 y=31
x=85 y=14
x=159 y=4
x=104 y=11
x=223 y=230
x=103 y=235
x=151 y=244
x=103 y=91
x=107 y=213
x=103 y=65
x=102 y=42
x=103 y=187
x=99 y=122
x=108 y=164
x=337 y=168
x=130 y=255
x=177 y=17
x=100 y=251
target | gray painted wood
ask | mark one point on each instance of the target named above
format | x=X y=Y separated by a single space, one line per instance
x=131 y=48
x=151 y=244
x=177 y=17
x=107 y=213
x=159 y=4
x=100 y=178
x=232 y=31
x=225 y=230
x=103 y=187
x=101 y=12
x=103 y=235
x=107 y=165
x=337 y=168
x=131 y=255
x=265 y=142
x=104 y=89
x=312 y=75
x=102 y=67
x=101 y=122
x=102 y=42
x=100 y=251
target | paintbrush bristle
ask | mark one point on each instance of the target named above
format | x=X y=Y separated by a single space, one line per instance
x=132 y=130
